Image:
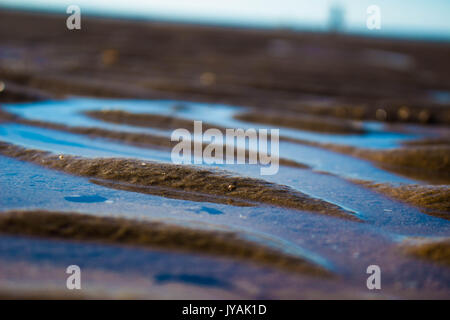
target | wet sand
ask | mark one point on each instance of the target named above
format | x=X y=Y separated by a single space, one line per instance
x=303 y=122
x=302 y=72
x=136 y=139
x=437 y=251
x=166 y=179
x=146 y=234
x=423 y=160
x=433 y=200
x=382 y=103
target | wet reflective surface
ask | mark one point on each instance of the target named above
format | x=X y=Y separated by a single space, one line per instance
x=343 y=247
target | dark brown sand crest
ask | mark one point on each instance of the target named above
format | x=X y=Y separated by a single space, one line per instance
x=436 y=251
x=429 y=158
x=432 y=200
x=390 y=111
x=302 y=122
x=13 y=92
x=6 y=116
x=426 y=163
x=172 y=193
x=179 y=177
x=441 y=141
x=433 y=158
x=429 y=163
x=147 y=120
x=74 y=226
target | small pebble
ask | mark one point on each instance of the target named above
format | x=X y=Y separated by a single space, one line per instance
x=404 y=113
x=381 y=115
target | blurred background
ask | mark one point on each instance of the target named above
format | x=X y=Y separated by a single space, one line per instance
x=412 y=18
x=308 y=57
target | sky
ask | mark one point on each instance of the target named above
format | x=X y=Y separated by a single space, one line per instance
x=414 y=17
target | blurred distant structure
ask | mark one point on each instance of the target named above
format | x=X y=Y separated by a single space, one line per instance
x=336 y=18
